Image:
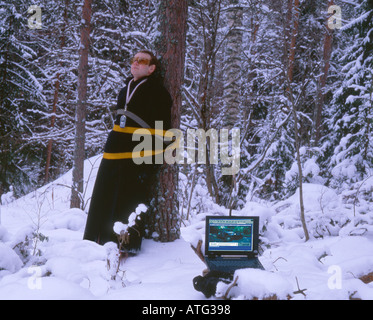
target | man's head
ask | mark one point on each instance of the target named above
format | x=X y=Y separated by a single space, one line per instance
x=143 y=64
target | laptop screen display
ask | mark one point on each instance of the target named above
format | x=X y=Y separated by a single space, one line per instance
x=230 y=235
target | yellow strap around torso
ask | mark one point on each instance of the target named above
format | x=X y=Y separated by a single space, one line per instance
x=143 y=131
x=138 y=154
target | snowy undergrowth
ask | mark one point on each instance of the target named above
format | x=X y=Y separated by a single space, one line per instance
x=43 y=256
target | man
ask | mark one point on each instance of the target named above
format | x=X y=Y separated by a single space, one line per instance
x=121 y=184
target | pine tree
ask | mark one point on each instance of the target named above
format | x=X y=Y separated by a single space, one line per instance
x=171 y=47
x=81 y=107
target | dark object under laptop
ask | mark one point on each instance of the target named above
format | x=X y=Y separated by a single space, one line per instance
x=232 y=243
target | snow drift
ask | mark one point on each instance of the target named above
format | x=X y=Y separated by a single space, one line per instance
x=43 y=256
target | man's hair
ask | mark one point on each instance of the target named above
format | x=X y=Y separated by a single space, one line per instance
x=153 y=58
x=158 y=73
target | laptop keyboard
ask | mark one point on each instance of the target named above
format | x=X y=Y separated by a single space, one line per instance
x=231 y=265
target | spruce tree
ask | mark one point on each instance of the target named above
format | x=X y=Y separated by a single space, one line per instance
x=22 y=100
x=352 y=105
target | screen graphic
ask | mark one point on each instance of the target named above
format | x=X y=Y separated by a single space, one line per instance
x=230 y=234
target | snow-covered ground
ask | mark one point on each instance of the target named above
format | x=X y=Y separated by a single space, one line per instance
x=63 y=266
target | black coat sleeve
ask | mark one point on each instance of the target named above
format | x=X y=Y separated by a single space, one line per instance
x=121 y=98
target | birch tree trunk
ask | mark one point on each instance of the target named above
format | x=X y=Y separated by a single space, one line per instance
x=233 y=64
x=80 y=111
x=232 y=103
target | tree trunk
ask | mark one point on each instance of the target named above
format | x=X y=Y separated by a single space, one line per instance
x=300 y=175
x=80 y=112
x=55 y=98
x=328 y=41
x=233 y=51
x=290 y=74
x=53 y=119
x=232 y=103
x=295 y=14
x=171 y=47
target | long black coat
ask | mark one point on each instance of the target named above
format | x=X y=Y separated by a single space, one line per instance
x=121 y=185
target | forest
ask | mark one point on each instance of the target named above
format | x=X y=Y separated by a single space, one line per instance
x=295 y=76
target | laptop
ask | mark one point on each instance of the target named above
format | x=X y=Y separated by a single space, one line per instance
x=231 y=243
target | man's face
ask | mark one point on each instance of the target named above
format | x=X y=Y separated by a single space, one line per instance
x=140 y=66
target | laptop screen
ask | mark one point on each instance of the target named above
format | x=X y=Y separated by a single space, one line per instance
x=230 y=235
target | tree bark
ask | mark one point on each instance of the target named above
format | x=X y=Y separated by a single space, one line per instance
x=55 y=97
x=327 y=52
x=80 y=111
x=233 y=51
x=171 y=47
x=295 y=29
